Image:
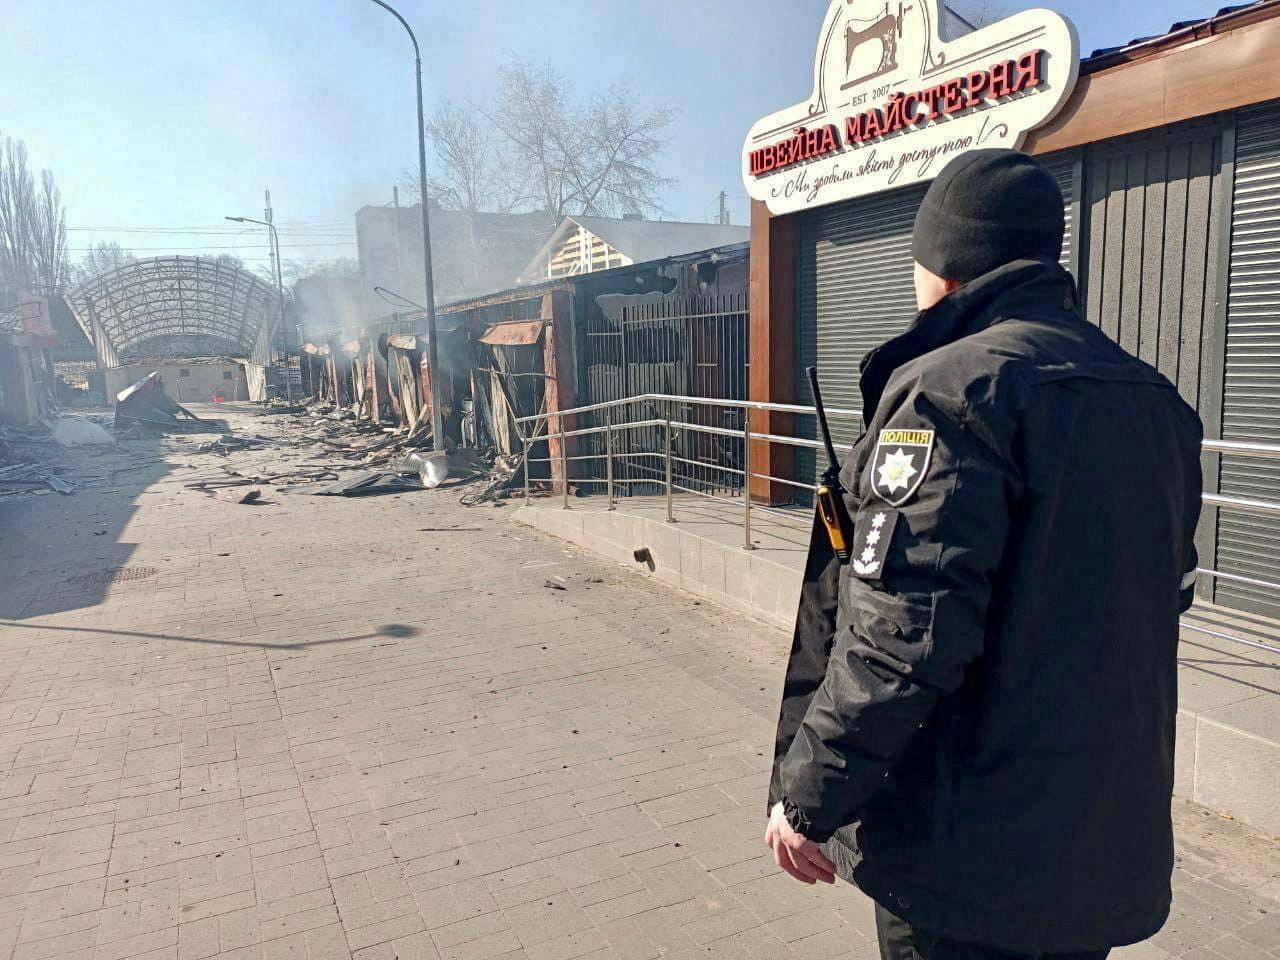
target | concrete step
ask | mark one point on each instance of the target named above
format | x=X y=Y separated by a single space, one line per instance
x=1228 y=749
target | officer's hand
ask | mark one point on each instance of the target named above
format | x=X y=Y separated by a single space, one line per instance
x=801 y=858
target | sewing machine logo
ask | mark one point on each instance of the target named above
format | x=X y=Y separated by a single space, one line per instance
x=880 y=35
x=892 y=100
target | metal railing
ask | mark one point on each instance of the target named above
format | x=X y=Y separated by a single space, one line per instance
x=612 y=426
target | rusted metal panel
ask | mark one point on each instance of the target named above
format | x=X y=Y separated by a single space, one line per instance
x=518 y=333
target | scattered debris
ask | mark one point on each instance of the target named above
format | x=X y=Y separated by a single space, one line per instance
x=501 y=476
x=228 y=443
x=374 y=482
x=216 y=483
x=643 y=555
x=23 y=477
x=59 y=485
x=552 y=585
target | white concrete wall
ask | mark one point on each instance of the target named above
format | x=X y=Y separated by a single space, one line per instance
x=204 y=380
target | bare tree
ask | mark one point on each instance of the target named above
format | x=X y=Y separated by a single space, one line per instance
x=533 y=112
x=33 y=227
x=101 y=258
x=597 y=158
x=613 y=170
x=17 y=260
x=49 y=229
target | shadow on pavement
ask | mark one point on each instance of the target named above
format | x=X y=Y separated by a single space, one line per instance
x=60 y=553
x=393 y=630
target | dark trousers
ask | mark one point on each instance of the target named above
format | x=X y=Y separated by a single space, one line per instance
x=898 y=941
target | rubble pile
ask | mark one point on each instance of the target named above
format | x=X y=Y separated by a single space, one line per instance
x=388 y=459
x=328 y=449
x=296 y=448
x=64 y=456
x=26 y=462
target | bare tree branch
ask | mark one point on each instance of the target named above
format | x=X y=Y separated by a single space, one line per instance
x=472 y=177
x=101 y=258
x=538 y=150
x=597 y=158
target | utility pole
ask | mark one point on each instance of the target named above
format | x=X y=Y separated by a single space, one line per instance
x=266 y=216
x=724 y=210
x=278 y=276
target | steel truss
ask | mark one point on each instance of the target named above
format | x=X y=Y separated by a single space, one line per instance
x=172 y=305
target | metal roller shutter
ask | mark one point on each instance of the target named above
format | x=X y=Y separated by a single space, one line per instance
x=1248 y=545
x=855 y=290
x=1063 y=167
x=1152 y=278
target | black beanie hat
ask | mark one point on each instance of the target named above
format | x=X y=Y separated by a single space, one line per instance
x=987 y=208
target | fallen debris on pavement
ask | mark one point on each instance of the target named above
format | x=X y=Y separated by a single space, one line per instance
x=228 y=443
x=22 y=477
x=374 y=482
x=145 y=402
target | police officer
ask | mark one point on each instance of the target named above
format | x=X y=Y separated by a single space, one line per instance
x=977 y=723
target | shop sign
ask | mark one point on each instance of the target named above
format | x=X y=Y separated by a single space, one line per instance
x=892 y=102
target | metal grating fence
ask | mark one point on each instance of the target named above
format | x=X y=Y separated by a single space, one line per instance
x=683 y=345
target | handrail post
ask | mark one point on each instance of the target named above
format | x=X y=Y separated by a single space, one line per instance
x=608 y=455
x=564 y=465
x=526 y=470
x=746 y=480
x=670 y=515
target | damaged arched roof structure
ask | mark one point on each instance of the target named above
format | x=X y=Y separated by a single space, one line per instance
x=177 y=307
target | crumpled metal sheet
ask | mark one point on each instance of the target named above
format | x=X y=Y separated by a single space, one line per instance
x=374 y=482
x=520 y=333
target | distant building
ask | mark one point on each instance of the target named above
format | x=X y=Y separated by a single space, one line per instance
x=587 y=244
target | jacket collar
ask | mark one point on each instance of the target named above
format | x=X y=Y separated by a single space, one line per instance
x=1021 y=288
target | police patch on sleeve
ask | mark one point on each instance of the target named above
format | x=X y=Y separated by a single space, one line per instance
x=900 y=463
x=872 y=532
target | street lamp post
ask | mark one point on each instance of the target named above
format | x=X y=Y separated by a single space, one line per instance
x=437 y=422
x=275 y=239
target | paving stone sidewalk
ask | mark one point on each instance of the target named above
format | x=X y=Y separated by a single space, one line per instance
x=330 y=728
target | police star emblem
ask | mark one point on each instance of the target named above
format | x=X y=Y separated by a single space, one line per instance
x=900 y=463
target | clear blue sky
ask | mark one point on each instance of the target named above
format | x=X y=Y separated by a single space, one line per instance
x=171 y=115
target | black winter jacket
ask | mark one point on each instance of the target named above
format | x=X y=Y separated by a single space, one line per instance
x=979 y=709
